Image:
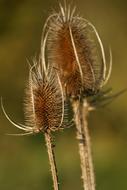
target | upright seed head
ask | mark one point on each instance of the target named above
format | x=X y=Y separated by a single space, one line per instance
x=75 y=49
x=44 y=104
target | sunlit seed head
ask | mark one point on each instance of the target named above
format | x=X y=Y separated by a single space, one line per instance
x=75 y=49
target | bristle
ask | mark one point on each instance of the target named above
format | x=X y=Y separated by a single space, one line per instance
x=75 y=49
x=109 y=70
x=44 y=100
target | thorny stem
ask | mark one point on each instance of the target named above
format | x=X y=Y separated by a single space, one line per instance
x=52 y=161
x=81 y=110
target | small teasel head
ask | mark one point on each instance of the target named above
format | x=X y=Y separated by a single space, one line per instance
x=75 y=49
x=44 y=101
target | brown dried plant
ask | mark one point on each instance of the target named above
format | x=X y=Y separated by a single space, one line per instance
x=75 y=49
x=72 y=66
x=44 y=108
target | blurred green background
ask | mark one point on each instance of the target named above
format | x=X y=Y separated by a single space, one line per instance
x=23 y=160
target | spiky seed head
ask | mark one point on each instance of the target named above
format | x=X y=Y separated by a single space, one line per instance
x=75 y=49
x=44 y=100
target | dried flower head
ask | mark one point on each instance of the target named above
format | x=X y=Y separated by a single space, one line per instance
x=44 y=103
x=75 y=49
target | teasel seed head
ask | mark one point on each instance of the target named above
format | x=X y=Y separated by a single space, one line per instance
x=44 y=101
x=75 y=49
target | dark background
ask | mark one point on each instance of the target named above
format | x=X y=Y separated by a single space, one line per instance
x=23 y=160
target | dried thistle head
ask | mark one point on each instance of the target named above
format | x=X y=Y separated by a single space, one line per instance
x=75 y=49
x=44 y=102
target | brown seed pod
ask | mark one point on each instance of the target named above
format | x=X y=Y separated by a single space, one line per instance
x=75 y=49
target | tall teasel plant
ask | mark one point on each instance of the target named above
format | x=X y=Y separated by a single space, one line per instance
x=71 y=66
x=75 y=49
x=44 y=107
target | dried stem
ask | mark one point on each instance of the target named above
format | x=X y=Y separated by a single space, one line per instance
x=81 y=110
x=52 y=161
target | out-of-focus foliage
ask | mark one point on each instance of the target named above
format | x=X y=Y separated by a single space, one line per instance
x=23 y=160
